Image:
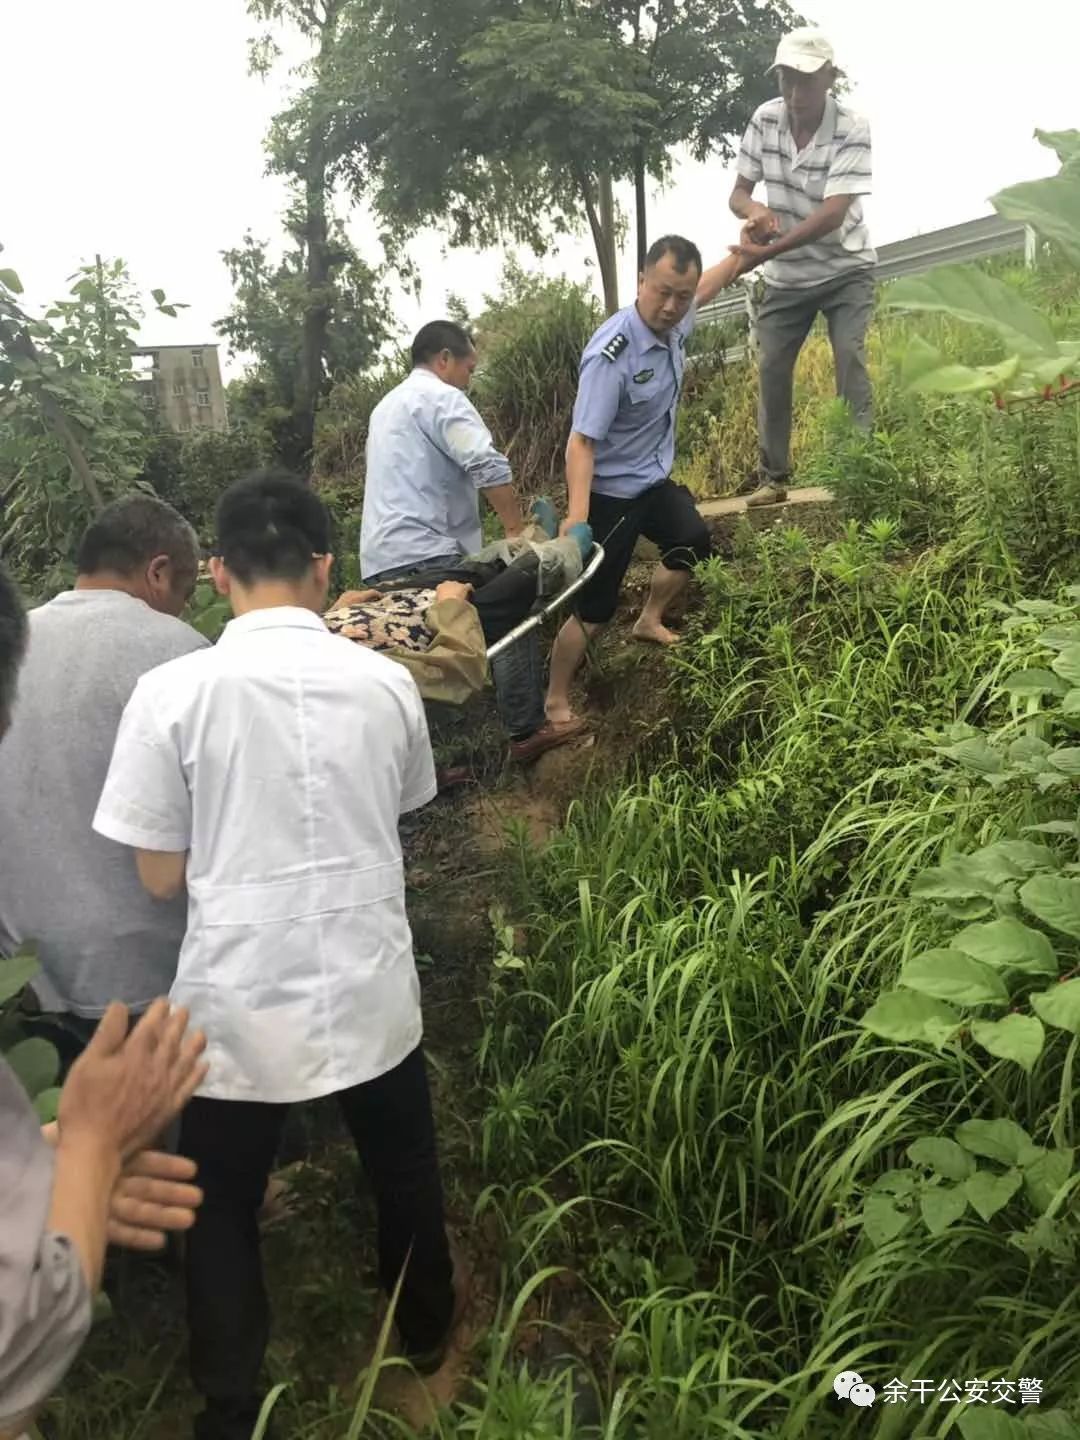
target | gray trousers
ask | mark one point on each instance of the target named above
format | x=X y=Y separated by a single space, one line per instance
x=783 y=323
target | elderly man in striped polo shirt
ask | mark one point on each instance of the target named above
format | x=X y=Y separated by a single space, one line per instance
x=814 y=157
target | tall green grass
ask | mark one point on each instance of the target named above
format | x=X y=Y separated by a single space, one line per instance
x=680 y=1056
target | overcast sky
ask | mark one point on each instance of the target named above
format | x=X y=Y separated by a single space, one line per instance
x=132 y=128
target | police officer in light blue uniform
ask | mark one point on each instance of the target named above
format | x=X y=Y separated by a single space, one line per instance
x=622 y=450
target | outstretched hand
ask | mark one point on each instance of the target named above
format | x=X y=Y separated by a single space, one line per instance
x=125 y=1088
x=154 y=1195
x=762 y=224
x=355 y=597
x=452 y=590
x=750 y=255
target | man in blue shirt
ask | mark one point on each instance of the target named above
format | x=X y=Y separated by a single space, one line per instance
x=622 y=449
x=429 y=457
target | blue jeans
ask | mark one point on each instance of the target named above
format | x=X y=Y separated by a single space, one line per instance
x=502 y=601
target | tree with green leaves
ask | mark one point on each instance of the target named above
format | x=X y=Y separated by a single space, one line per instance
x=267 y=322
x=511 y=119
x=72 y=433
x=296 y=317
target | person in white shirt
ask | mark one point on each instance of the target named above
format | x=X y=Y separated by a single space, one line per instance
x=429 y=457
x=229 y=774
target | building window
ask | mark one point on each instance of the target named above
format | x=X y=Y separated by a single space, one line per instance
x=179 y=389
x=149 y=400
x=202 y=399
x=196 y=360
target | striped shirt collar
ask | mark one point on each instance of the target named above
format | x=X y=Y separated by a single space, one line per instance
x=822 y=137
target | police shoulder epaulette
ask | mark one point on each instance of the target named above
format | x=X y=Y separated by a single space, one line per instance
x=615 y=347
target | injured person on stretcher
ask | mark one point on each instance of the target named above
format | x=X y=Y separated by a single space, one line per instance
x=440 y=626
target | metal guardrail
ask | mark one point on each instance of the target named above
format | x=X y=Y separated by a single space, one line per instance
x=957 y=245
x=954 y=245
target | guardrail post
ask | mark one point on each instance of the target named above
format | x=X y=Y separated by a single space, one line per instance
x=1031 y=247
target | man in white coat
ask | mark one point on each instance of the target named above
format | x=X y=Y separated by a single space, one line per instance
x=269 y=775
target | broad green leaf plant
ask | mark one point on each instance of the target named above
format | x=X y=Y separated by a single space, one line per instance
x=1006 y=983
x=34 y=1060
x=1036 y=362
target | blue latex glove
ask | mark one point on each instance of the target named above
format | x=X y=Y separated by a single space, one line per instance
x=582 y=533
x=545 y=515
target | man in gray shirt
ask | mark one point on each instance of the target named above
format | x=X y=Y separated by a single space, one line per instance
x=60 y=1202
x=99 y=936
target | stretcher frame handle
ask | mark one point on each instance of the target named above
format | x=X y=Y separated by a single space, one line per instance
x=596 y=559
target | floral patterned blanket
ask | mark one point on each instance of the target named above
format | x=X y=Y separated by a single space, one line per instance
x=393 y=622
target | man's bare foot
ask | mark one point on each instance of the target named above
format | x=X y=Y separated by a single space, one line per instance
x=651 y=632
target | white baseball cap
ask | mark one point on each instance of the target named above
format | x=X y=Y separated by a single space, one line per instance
x=805 y=50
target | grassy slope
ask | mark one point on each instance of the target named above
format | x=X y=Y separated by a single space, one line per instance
x=674 y=1102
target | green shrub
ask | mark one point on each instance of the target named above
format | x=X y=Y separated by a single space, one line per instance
x=191 y=471
x=34 y=1060
x=341 y=435
x=531 y=336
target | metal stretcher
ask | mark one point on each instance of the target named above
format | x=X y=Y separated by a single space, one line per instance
x=596 y=559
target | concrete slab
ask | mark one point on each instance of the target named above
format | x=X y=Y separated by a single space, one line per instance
x=721 y=513
x=736 y=504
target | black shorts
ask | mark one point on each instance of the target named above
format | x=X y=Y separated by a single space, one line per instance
x=666 y=515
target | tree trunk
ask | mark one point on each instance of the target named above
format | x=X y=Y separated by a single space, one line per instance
x=301 y=439
x=608 y=261
x=639 y=167
x=102 y=312
x=639 y=206
x=299 y=444
x=602 y=225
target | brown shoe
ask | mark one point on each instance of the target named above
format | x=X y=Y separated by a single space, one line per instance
x=771 y=493
x=451 y=777
x=550 y=735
